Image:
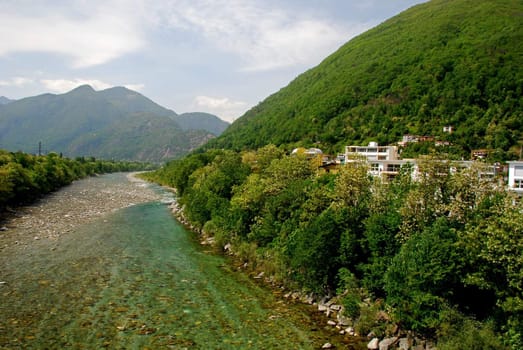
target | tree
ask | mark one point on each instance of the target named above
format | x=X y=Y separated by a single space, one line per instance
x=211 y=187
x=495 y=246
x=353 y=185
x=423 y=276
x=427 y=198
x=382 y=244
x=285 y=170
x=6 y=184
x=313 y=251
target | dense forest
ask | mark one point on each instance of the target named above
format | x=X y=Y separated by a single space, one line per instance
x=25 y=177
x=440 y=256
x=441 y=63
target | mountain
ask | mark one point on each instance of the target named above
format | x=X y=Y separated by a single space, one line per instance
x=4 y=100
x=442 y=63
x=205 y=121
x=115 y=123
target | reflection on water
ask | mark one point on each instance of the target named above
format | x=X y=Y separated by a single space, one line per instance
x=135 y=280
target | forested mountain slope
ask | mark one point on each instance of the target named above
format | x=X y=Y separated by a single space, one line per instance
x=116 y=123
x=204 y=121
x=444 y=62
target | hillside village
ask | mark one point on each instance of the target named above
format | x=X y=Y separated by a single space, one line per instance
x=386 y=161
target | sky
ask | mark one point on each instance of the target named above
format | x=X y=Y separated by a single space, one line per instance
x=216 y=56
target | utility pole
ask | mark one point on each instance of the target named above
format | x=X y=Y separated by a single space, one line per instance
x=40 y=148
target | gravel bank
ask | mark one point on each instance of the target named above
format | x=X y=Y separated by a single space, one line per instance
x=79 y=203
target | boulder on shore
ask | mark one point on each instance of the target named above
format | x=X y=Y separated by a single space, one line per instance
x=373 y=344
x=386 y=343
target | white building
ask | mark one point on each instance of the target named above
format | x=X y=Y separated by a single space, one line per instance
x=372 y=152
x=388 y=169
x=384 y=161
x=515 y=176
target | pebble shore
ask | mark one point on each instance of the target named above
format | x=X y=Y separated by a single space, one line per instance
x=77 y=204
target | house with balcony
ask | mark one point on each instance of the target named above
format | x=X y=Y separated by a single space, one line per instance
x=372 y=152
x=384 y=161
x=389 y=169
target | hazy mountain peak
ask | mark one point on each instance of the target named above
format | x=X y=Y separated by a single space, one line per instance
x=119 y=90
x=4 y=100
x=82 y=89
x=125 y=95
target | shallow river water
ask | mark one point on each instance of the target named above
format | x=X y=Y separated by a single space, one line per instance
x=134 y=278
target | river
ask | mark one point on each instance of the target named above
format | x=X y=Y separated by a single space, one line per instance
x=103 y=264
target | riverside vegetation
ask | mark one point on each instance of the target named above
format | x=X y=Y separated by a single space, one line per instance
x=440 y=256
x=25 y=177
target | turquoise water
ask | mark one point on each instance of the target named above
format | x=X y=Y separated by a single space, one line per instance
x=137 y=280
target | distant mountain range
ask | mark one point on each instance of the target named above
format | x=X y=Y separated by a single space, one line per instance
x=4 y=100
x=116 y=123
x=441 y=63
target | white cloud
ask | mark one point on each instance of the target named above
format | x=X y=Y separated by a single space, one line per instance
x=135 y=87
x=65 y=85
x=213 y=102
x=221 y=106
x=16 y=82
x=263 y=37
x=88 y=35
x=95 y=32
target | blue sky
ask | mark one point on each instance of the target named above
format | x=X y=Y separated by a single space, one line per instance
x=216 y=56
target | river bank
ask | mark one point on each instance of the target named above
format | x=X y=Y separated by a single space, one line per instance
x=86 y=267
x=326 y=312
x=79 y=203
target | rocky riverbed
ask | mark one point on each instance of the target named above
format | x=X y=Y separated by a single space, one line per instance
x=84 y=201
x=74 y=205
x=85 y=268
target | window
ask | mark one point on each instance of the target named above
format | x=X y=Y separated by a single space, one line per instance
x=393 y=167
x=375 y=167
x=518 y=183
